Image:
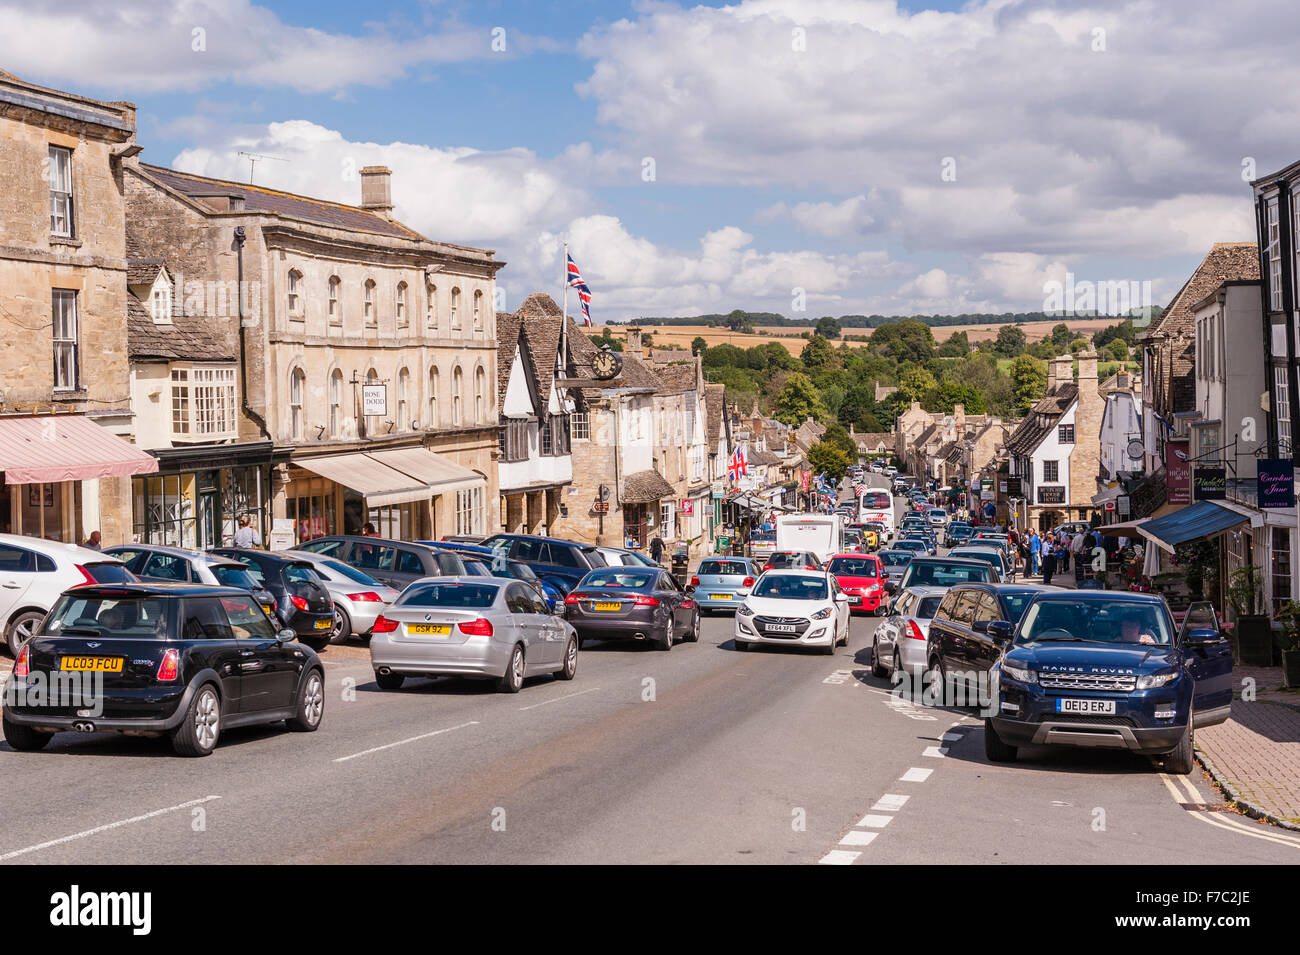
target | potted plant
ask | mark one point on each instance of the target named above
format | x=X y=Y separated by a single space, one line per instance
x=1254 y=633
x=1289 y=617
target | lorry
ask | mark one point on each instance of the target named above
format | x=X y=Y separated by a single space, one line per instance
x=820 y=534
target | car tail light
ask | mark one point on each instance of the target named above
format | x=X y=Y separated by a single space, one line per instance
x=22 y=666
x=369 y=597
x=688 y=604
x=298 y=602
x=695 y=580
x=571 y=599
x=913 y=631
x=647 y=601
x=748 y=581
x=85 y=574
x=384 y=625
x=809 y=567
x=482 y=627
x=170 y=668
x=767 y=567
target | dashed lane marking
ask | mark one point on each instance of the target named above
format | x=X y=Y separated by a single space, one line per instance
x=856 y=838
x=402 y=742
x=85 y=833
x=890 y=802
x=938 y=752
x=915 y=775
x=557 y=699
x=874 y=822
x=838 y=857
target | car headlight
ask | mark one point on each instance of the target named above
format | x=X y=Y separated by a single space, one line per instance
x=1019 y=673
x=744 y=610
x=823 y=614
x=1149 y=681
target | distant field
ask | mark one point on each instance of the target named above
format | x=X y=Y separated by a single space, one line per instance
x=681 y=336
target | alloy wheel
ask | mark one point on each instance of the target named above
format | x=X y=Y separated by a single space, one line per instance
x=314 y=699
x=207 y=719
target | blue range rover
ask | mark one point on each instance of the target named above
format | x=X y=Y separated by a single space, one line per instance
x=1095 y=668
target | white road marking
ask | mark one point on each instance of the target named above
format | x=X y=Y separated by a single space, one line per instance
x=890 y=802
x=558 y=698
x=855 y=838
x=401 y=742
x=938 y=752
x=874 y=822
x=915 y=775
x=104 y=828
x=1223 y=821
x=838 y=857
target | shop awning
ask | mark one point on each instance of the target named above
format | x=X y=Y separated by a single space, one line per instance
x=1189 y=523
x=46 y=449
x=438 y=474
x=375 y=481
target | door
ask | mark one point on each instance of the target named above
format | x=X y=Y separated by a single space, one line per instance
x=1210 y=664
x=205 y=623
x=520 y=605
x=269 y=668
x=983 y=651
x=17 y=571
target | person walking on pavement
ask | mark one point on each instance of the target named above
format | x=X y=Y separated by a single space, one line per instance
x=1062 y=539
x=247 y=536
x=1049 y=558
x=93 y=541
x=657 y=549
x=1035 y=552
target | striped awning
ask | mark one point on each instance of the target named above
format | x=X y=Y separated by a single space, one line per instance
x=46 y=449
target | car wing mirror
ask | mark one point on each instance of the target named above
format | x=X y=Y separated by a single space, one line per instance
x=980 y=626
x=1201 y=636
x=286 y=636
x=999 y=631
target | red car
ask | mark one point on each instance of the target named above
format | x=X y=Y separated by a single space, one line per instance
x=862 y=577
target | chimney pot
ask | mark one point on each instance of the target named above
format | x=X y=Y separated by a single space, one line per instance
x=634 y=341
x=377 y=189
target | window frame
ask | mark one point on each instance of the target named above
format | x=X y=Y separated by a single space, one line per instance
x=62 y=202
x=63 y=345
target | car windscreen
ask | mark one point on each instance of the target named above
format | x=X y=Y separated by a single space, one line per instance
x=762 y=537
x=940 y=574
x=853 y=567
x=876 y=500
x=109 y=572
x=790 y=587
x=1016 y=604
x=993 y=557
x=466 y=596
x=1118 y=622
x=232 y=575
x=911 y=544
x=622 y=578
x=132 y=617
x=732 y=568
x=351 y=573
x=894 y=558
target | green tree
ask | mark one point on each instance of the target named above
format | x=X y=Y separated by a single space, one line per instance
x=827 y=327
x=698 y=345
x=1118 y=349
x=914 y=383
x=1061 y=336
x=830 y=460
x=838 y=435
x=816 y=354
x=1010 y=341
x=948 y=394
x=1028 y=381
x=908 y=340
x=957 y=346
x=799 y=401
x=606 y=339
x=740 y=321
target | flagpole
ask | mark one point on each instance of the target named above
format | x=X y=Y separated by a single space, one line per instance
x=564 y=322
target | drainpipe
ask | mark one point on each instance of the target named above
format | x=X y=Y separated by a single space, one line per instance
x=243 y=348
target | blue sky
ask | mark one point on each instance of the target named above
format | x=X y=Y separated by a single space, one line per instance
x=880 y=157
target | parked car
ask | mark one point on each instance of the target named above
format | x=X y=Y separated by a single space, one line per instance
x=178 y=660
x=862 y=577
x=34 y=572
x=899 y=643
x=632 y=603
x=621 y=557
x=156 y=563
x=499 y=566
x=793 y=560
x=391 y=562
x=1106 y=669
x=946 y=572
x=721 y=583
x=961 y=646
x=561 y=562
x=937 y=516
x=302 y=601
x=793 y=608
x=894 y=563
x=358 y=598
x=957 y=533
x=1004 y=569
x=479 y=627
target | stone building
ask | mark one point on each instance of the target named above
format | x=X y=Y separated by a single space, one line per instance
x=367 y=351
x=65 y=416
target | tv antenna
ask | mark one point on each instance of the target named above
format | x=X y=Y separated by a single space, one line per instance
x=252 y=162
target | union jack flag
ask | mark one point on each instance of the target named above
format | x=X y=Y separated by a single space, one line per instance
x=584 y=293
x=739 y=466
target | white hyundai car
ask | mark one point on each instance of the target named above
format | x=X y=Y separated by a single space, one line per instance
x=794 y=608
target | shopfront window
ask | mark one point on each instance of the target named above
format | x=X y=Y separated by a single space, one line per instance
x=469 y=511
x=165 y=510
x=394 y=521
x=1280 y=567
x=310 y=504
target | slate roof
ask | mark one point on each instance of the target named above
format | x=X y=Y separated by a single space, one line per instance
x=763 y=458
x=676 y=379
x=273 y=201
x=1225 y=262
x=507 y=344
x=925 y=436
x=808 y=434
x=644 y=487
x=869 y=440
x=188 y=338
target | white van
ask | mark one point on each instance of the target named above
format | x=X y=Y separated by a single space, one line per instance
x=820 y=534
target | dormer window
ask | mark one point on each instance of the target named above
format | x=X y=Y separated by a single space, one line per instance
x=160 y=300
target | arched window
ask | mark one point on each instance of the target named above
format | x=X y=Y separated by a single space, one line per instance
x=336 y=306
x=455 y=308
x=478 y=311
x=480 y=395
x=403 y=408
x=402 y=320
x=295 y=293
x=457 y=397
x=297 y=385
x=372 y=378
x=371 y=319
x=433 y=399
x=431 y=307
x=336 y=402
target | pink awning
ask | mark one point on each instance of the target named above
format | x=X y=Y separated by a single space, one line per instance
x=49 y=448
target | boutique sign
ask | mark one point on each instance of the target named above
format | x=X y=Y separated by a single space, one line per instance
x=1276 y=482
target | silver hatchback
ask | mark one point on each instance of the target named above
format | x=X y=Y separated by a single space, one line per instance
x=899 y=643
x=358 y=598
x=484 y=627
x=721 y=583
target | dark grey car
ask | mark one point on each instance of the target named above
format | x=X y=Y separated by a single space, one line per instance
x=392 y=562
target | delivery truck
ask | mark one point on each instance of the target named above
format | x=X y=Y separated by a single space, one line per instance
x=820 y=534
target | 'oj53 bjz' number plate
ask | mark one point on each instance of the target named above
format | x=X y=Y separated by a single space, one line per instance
x=92 y=664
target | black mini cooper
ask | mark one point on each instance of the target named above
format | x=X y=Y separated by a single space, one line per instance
x=178 y=660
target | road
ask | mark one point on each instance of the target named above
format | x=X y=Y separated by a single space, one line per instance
x=701 y=754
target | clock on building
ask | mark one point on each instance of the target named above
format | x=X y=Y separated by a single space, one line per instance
x=606 y=364
x=1135 y=449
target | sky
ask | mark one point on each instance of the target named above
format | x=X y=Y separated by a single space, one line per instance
x=819 y=157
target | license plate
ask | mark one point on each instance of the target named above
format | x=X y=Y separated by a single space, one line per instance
x=607 y=606
x=781 y=628
x=92 y=664
x=719 y=596
x=269 y=609
x=855 y=600
x=323 y=624
x=429 y=629
x=1103 y=707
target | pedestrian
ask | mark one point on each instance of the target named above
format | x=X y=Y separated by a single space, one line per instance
x=93 y=541
x=1063 y=550
x=657 y=549
x=1049 y=559
x=247 y=535
x=1035 y=552
x=369 y=530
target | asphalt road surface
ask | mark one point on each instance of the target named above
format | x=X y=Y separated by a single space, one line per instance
x=701 y=754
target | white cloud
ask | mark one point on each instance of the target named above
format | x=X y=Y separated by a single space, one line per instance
x=851 y=217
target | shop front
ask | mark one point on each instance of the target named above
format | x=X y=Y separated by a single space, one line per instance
x=199 y=494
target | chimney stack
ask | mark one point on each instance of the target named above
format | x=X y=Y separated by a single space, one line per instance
x=377 y=190
x=634 y=341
